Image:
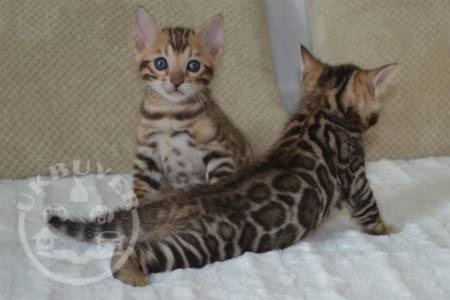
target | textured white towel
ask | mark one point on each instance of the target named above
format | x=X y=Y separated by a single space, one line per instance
x=335 y=262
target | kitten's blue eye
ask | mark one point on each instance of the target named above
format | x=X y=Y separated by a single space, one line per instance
x=193 y=66
x=160 y=63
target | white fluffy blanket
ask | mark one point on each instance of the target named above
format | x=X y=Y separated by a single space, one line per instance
x=335 y=262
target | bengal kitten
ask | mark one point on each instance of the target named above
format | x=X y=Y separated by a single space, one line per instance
x=316 y=165
x=183 y=138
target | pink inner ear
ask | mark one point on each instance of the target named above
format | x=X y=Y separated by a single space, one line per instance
x=214 y=51
x=144 y=30
x=308 y=61
x=380 y=77
x=138 y=42
x=212 y=35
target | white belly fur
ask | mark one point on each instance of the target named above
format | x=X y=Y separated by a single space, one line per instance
x=181 y=164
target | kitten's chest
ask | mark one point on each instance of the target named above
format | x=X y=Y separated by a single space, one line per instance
x=180 y=160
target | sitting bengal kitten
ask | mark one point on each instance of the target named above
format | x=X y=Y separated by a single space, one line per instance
x=183 y=137
x=316 y=165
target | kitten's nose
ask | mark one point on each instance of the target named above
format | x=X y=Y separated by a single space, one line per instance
x=176 y=83
x=177 y=78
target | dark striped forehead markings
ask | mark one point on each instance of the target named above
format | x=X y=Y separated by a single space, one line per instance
x=178 y=37
x=337 y=78
x=338 y=75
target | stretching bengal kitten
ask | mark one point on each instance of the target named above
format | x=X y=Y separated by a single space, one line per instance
x=315 y=166
x=183 y=137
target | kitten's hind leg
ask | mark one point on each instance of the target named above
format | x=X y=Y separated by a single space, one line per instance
x=364 y=210
x=129 y=272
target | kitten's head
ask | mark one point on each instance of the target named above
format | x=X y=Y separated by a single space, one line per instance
x=177 y=62
x=345 y=88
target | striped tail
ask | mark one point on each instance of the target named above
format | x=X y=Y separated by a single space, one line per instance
x=119 y=224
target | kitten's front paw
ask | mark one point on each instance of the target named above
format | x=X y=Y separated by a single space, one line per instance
x=381 y=229
x=390 y=229
x=133 y=279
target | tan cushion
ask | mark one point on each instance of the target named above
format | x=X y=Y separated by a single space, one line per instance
x=415 y=119
x=70 y=89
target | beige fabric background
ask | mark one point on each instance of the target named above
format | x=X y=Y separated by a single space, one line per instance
x=69 y=84
x=415 y=120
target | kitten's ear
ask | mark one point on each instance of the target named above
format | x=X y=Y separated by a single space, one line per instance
x=378 y=78
x=308 y=63
x=144 y=30
x=211 y=34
